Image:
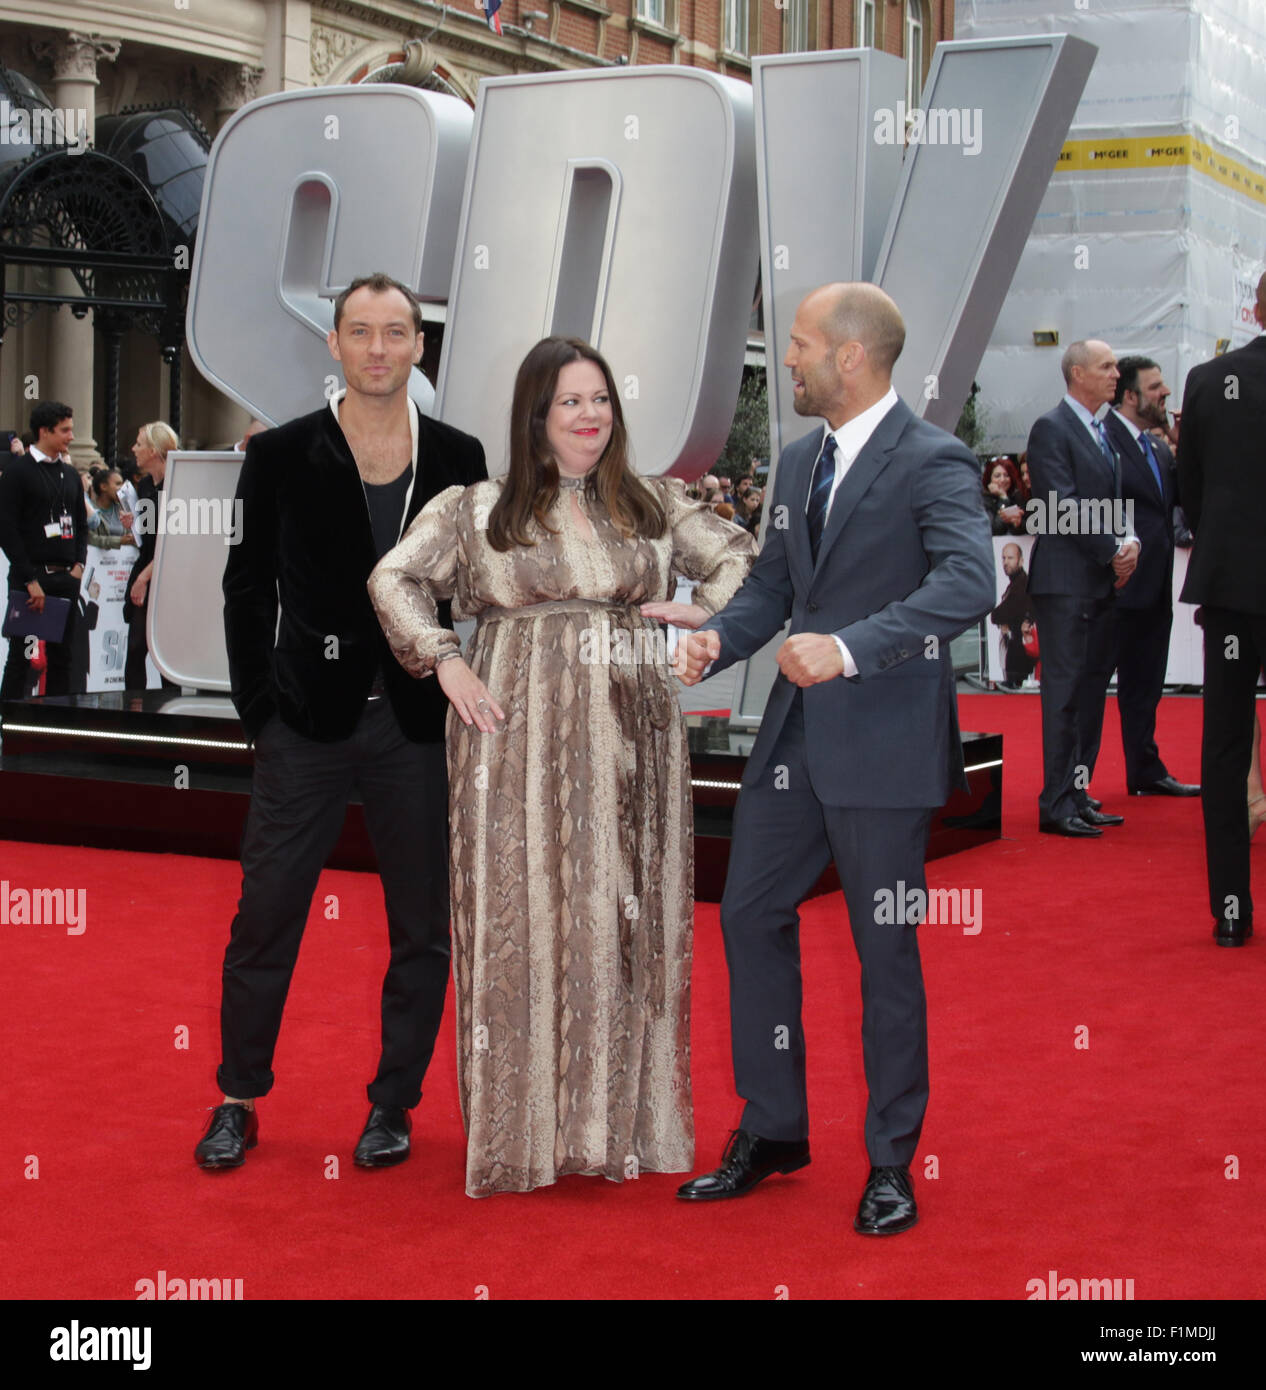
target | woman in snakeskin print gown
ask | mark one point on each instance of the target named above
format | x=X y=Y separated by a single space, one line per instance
x=572 y=851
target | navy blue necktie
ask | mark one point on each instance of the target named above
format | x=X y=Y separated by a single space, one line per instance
x=1151 y=458
x=1110 y=454
x=820 y=494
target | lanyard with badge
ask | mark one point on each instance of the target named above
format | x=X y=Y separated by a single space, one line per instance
x=63 y=527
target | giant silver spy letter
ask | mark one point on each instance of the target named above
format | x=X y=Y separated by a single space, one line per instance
x=618 y=207
x=305 y=191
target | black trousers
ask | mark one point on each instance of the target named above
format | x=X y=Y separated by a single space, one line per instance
x=13 y=685
x=1142 y=656
x=1077 y=638
x=784 y=837
x=1234 y=651
x=298 y=799
x=135 y=676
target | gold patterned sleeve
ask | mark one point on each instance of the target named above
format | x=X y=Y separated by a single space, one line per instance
x=411 y=580
x=706 y=548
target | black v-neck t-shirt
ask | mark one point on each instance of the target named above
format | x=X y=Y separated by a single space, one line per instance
x=386 y=509
x=386 y=502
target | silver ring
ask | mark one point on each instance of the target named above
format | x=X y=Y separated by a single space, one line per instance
x=481 y=704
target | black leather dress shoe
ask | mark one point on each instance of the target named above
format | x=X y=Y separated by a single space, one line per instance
x=1093 y=804
x=1100 y=818
x=231 y=1130
x=1228 y=933
x=747 y=1159
x=1167 y=786
x=1070 y=825
x=385 y=1138
x=887 y=1206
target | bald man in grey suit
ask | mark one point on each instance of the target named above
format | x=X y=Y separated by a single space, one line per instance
x=878 y=550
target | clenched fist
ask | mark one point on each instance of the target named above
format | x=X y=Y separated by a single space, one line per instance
x=694 y=652
x=810 y=657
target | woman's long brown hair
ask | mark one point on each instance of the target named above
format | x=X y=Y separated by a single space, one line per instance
x=531 y=485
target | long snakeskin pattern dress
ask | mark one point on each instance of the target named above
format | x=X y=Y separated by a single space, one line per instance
x=572 y=865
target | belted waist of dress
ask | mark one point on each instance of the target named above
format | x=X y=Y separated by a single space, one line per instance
x=637 y=679
x=562 y=605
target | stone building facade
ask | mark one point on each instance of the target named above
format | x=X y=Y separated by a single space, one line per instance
x=209 y=57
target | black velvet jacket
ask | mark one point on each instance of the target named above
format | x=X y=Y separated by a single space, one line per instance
x=306 y=542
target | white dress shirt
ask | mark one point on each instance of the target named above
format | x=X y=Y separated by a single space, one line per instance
x=850 y=439
x=1088 y=420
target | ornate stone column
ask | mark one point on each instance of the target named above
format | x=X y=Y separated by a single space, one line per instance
x=74 y=58
x=231 y=87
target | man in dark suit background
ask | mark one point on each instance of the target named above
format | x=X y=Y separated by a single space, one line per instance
x=44 y=534
x=878 y=550
x=1222 y=482
x=330 y=711
x=1073 y=578
x=1144 y=606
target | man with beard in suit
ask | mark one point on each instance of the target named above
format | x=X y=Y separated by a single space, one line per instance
x=1222 y=482
x=330 y=711
x=1145 y=606
x=878 y=550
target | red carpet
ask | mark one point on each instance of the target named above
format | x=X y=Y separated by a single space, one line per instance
x=1107 y=1160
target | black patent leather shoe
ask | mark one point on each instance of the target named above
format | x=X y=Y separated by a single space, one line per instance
x=887 y=1206
x=1229 y=933
x=1166 y=786
x=1070 y=825
x=1101 y=818
x=747 y=1160
x=231 y=1130
x=385 y=1138
x=1093 y=804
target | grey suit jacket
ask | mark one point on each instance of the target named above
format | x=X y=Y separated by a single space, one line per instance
x=1065 y=460
x=906 y=563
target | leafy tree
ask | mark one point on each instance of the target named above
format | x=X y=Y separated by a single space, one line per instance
x=749 y=431
x=972 y=427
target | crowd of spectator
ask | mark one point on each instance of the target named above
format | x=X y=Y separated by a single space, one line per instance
x=738 y=500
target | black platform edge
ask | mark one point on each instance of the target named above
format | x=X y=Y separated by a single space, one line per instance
x=179 y=783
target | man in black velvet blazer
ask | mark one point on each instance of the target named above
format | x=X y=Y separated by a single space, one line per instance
x=1222 y=482
x=331 y=712
x=1082 y=555
x=1145 y=606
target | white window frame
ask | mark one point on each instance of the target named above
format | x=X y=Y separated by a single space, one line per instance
x=738 y=27
x=796 y=25
x=914 y=37
x=866 y=23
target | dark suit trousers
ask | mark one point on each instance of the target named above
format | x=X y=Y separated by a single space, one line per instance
x=1076 y=637
x=1142 y=656
x=1226 y=750
x=13 y=685
x=298 y=799
x=784 y=837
